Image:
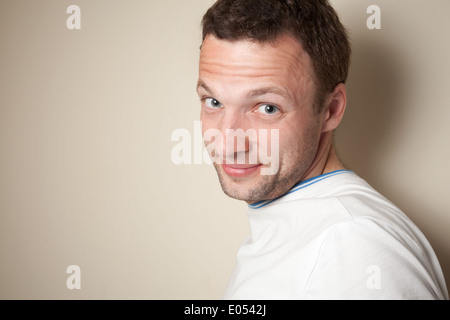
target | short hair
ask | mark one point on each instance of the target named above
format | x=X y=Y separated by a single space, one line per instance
x=314 y=23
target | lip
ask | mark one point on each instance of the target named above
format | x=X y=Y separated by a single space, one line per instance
x=240 y=170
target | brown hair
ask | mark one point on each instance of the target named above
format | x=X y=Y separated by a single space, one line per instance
x=314 y=23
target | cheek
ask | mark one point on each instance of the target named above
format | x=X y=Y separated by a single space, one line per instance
x=210 y=120
x=291 y=134
x=296 y=142
x=289 y=143
x=202 y=115
x=207 y=122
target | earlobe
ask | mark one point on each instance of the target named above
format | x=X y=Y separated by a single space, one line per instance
x=335 y=108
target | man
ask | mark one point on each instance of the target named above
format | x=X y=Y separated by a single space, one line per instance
x=317 y=230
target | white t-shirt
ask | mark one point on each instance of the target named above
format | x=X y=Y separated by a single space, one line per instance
x=334 y=237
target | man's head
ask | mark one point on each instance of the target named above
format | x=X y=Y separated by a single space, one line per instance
x=313 y=23
x=275 y=65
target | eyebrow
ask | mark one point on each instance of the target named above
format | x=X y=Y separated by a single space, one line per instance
x=253 y=93
x=266 y=90
x=201 y=84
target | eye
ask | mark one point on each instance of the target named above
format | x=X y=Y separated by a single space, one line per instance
x=212 y=103
x=268 y=109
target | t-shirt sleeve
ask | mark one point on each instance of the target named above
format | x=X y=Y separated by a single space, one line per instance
x=363 y=259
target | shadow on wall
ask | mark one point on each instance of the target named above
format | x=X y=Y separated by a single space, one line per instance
x=375 y=91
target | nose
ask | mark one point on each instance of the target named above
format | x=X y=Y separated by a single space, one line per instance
x=236 y=138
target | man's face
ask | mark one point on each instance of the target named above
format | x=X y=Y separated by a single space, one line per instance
x=247 y=85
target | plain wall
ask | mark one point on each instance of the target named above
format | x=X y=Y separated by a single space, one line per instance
x=86 y=118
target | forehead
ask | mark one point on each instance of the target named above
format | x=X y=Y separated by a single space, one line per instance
x=283 y=58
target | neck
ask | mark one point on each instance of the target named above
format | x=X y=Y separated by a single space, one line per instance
x=326 y=159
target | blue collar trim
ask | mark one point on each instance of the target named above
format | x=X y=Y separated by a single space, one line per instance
x=298 y=186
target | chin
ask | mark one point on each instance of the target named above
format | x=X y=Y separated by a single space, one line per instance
x=239 y=195
x=256 y=189
x=235 y=189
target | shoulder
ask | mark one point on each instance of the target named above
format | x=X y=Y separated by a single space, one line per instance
x=370 y=258
x=367 y=208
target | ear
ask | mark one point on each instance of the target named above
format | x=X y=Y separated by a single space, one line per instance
x=335 y=108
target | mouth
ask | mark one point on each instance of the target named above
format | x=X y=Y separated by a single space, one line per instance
x=240 y=170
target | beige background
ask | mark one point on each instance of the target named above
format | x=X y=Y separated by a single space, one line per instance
x=86 y=118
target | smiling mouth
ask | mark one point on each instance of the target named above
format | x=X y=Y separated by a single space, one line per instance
x=240 y=170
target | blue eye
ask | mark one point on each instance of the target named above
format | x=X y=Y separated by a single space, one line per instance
x=212 y=103
x=268 y=109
